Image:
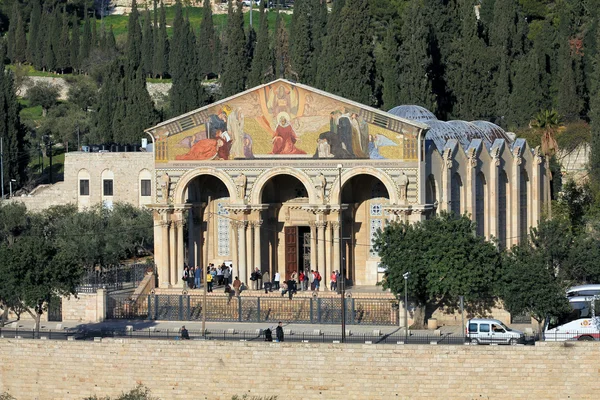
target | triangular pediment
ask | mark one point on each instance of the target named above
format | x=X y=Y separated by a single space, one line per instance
x=284 y=119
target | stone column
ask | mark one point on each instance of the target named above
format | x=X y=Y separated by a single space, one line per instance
x=313 y=244
x=242 y=258
x=257 y=245
x=161 y=247
x=321 y=254
x=328 y=256
x=536 y=197
x=445 y=202
x=180 y=249
x=249 y=249
x=191 y=239
x=470 y=205
x=172 y=253
x=336 y=246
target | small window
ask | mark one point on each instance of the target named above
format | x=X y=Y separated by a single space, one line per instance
x=108 y=187
x=498 y=329
x=84 y=187
x=473 y=327
x=146 y=186
x=484 y=328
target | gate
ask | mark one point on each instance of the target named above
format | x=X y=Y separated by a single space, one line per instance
x=55 y=309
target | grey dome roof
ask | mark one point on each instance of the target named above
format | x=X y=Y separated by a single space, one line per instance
x=492 y=132
x=472 y=131
x=440 y=132
x=414 y=113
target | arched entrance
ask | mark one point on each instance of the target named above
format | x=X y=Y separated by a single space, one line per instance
x=286 y=237
x=366 y=198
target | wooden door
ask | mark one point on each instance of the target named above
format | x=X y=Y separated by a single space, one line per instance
x=291 y=251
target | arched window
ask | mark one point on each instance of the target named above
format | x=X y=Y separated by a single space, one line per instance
x=379 y=196
x=83 y=194
x=480 y=203
x=145 y=182
x=456 y=195
x=502 y=185
x=108 y=189
x=523 y=210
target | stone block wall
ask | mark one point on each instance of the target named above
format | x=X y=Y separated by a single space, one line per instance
x=218 y=370
x=84 y=307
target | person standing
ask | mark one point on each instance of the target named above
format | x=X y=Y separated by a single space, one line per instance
x=197 y=275
x=209 y=282
x=186 y=276
x=301 y=280
x=237 y=285
x=311 y=278
x=227 y=275
x=276 y=280
x=220 y=276
x=279 y=332
x=333 y=281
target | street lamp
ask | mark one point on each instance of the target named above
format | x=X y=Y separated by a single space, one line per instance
x=342 y=272
x=10 y=186
x=406 y=275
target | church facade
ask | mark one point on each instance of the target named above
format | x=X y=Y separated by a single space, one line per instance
x=284 y=177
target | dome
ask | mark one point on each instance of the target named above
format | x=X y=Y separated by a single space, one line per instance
x=492 y=132
x=440 y=132
x=413 y=113
x=471 y=131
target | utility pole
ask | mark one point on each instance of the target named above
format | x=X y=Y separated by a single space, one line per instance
x=342 y=264
x=2 y=167
x=207 y=210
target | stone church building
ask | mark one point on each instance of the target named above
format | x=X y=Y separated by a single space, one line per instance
x=284 y=177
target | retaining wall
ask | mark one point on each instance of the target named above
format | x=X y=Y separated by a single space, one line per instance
x=44 y=369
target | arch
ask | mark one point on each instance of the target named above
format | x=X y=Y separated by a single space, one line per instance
x=523 y=205
x=184 y=181
x=456 y=194
x=389 y=184
x=503 y=187
x=480 y=199
x=431 y=195
x=261 y=181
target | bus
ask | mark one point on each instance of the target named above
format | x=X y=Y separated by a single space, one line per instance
x=584 y=290
x=581 y=323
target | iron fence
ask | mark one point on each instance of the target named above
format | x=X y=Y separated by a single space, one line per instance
x=124 y=306
x=259 y=335
x=266 y=309
x=114 y=277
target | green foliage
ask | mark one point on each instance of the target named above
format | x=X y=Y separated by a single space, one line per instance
x=161 y=51
x=233 y=79
x=140 y=392
x=6 y=396
x=444 y=257
x=43 y=94
x=207 y=41
x=262 y=63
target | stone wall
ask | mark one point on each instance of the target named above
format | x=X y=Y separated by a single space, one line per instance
x=86 y=307
x=218 y=370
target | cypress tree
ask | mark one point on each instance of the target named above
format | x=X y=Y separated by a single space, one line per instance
x=250 y=49
x=415 y=59
x=134 y=38
x=53 y=41
x=527 y=95
x=233 y=78
x=62 y=52
x=331 y=60
x=147 y=44
x=43 y=39
x=206 y=42
x=34 y=27
x=301 y=41
x=357 y=75
x=187 y=92
x=86 y=38
x=20 y=54
x=390 y=70
x=12 y=31
x=594 y=161
x=261 y=70
x=161 y=50
x=281 y=49
x=12 y=132
x=75 y=45
x=319 y=30
x=94 y=23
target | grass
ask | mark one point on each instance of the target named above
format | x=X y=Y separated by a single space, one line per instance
x=30 y=71
x=119 y=22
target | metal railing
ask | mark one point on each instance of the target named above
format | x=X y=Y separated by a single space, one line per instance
x=398 y=337
x=267 y=309
x=114 y=277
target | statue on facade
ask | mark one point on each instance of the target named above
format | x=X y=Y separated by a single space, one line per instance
x=321 y=185
x=165 y=185
x=403 y=183
x=241 y=182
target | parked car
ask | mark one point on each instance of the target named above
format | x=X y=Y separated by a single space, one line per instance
x=247 y=3
x=492 y=331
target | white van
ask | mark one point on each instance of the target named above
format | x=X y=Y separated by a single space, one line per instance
x=492 y=331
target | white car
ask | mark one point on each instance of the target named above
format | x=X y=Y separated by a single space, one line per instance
x=492 y=331
x=248 y=3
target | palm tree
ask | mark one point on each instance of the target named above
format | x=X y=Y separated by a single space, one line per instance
x=548 y=122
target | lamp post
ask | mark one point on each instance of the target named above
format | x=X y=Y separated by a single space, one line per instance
x=342 y=272
x=10 y=186
x=406 y=275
